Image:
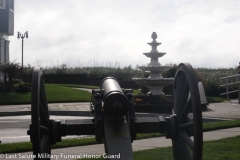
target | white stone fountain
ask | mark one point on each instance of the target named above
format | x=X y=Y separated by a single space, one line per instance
x=155 y=82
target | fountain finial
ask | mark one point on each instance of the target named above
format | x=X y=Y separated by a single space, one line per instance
x=154 y=36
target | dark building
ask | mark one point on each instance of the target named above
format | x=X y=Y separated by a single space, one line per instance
x=7 y=17
x=6 y=28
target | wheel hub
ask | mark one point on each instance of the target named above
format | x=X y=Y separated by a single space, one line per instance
x=172 y=127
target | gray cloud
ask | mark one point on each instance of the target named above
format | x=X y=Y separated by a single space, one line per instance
x=77 y=32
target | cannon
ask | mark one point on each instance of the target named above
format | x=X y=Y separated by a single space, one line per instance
x=116 y=104
x=116 y=123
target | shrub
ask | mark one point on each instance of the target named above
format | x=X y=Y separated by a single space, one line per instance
x=211 y=80
x=6 y=88
x=125 y=73
x=9 y=70
x=24 y=87
x=169 y=74
x=144 y=89
x=16 y=81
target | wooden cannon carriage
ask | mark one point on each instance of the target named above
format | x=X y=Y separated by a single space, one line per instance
x=115 y=122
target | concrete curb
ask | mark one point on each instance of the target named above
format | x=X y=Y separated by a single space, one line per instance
x=89 y=114
x=19 y=113
x=59 y=113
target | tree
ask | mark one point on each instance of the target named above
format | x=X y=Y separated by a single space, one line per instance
x=9 y=70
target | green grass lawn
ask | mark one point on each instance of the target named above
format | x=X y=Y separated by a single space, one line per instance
x=215 y=99
x=58 y=93
x=54 y=92
x=65 y=93
x=223 y=149
x=80 y=86
x=221 y=125
x=14 y=98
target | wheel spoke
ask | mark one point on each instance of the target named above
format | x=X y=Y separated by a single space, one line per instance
x=181 y=150
x=43 y=129
x=43 y=116
x=186 y=139
x=43 y=111
x=45 y=146
x=185 y=110
x=175 y=92
x=178 y=91
x=182 y=88
x=185 y=126
x=184 y=97
x=43 y=99
x=174 y=102
x=181 y=93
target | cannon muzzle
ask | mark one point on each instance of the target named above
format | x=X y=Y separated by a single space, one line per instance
x=116 y=103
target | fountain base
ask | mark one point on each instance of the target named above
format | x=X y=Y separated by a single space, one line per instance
x=153 y=104
x=155 y=85
x=153 y=108
x=151 y=99
x=156 y=91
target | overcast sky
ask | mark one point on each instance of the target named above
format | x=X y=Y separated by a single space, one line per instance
x=116 y=32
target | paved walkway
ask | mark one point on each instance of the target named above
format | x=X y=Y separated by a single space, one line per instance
x=224 y=110
x=54 y=108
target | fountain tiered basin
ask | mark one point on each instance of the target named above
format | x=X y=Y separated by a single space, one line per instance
x=154 y=69
x=155 y=82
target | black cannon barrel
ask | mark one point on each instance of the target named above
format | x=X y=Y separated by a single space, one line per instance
x=115 y=102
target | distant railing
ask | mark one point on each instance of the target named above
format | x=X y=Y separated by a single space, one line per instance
x=227 y=84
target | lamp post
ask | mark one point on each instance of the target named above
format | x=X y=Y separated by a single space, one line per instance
x=22 y=36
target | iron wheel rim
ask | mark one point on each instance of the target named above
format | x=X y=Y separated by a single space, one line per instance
x=40 y=116
x=185 y=84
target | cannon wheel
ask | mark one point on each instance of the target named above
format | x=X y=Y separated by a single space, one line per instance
x=40 y=116
x=187 y=108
